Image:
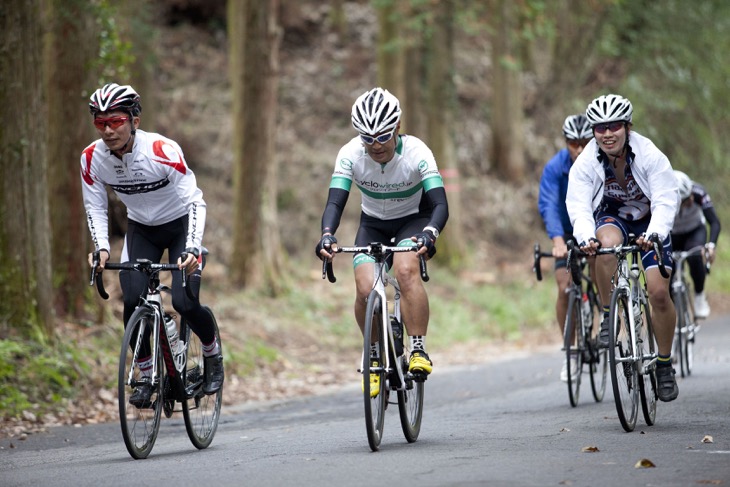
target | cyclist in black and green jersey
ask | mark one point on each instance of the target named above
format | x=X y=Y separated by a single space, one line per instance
x=403 y=198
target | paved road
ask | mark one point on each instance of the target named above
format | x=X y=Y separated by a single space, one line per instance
x=507 y=423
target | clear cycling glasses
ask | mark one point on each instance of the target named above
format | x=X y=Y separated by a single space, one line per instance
x=113 y=122
x=382 y=139
x=612 y=126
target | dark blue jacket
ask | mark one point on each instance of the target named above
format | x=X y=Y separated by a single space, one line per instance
x=553 y=188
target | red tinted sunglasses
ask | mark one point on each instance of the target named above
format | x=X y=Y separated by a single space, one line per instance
x=612 y=126
x=113 y=122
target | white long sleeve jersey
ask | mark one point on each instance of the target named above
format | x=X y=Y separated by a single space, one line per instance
x=153 y=181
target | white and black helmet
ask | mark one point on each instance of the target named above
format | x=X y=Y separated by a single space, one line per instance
x=609 y=108
x=684 y=183
x=576 y=127
x=375 y=111
x=115 y=97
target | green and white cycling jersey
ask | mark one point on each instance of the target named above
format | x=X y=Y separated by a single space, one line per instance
x=391 y=190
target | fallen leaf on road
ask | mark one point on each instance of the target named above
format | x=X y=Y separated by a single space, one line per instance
x=563 y=430
x=708 y=439
x=590 y=449
x=644 y=463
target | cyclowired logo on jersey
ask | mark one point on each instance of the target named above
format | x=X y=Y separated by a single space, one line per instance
x=385 y=186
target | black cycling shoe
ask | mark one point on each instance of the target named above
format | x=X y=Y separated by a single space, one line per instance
x=140 y=398
x=214 y=375
x=602 y=338
x=666 y=384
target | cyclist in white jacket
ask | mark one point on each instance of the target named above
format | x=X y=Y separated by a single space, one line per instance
x=621 y=184
x=165 y=210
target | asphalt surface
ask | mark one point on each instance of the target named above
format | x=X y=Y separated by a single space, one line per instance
x=507 y=423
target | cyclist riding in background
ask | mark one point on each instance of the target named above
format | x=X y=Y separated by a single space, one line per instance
x=551 y=203
x=403 y=198
x=690 y=230
x=623 y=184
x=165 y=210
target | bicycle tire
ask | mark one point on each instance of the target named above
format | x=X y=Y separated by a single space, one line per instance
x=573 y=340
x=139 y=425
x=410 y=398
x=624 y=373
x=687 y=334
x=647 y=368
x=374 y=406
x=200 y=411
x=680 y=331
x=598 y=362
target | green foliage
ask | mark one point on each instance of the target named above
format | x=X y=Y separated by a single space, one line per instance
x=115 y=54
x=36 y=377
x=678 y=82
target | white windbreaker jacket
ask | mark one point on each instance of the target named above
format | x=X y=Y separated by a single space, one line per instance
x=653 y=174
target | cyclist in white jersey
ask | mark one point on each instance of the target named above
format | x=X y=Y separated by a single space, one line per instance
x=621 y=184
x=165 y=210
x=403 y=198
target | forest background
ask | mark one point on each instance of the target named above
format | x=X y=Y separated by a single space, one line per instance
x=258 y=94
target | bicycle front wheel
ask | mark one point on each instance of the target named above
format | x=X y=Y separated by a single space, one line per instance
x=201 y=411
x=410 y=399
x=375 y=401
x=624 y=373
x=140 y=423
x=574 y=340
x=685 y=325
x=647 y=367
x=597 y=357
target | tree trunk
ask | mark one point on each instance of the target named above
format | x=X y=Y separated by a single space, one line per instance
x=390 y=52
x=441 y=103
x=67 y=75
x=25 y=279
x=254 y=48
x=507 y=112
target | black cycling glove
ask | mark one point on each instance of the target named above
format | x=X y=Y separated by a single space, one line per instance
x=428 y=239
x=324 y=243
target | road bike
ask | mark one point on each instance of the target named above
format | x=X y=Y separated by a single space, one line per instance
x=632 y=352
x=177 y=365
x=385 y=326
x=579 y=344
x=687 y=324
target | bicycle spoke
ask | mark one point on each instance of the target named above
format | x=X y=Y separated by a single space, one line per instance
x=624 y=375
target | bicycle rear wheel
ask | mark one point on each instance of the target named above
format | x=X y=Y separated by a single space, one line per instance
x=624 y=373
x=374 y=406
x=201 y=411
x=410 y=399
x=647 y=367
x=574 y=340
x=140 y=425
x=598 y=357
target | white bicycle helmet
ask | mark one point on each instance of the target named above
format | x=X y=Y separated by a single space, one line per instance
x=685 y=184
x=609 y=108
x=375 y=112
x=115 y=97
x=576 y=127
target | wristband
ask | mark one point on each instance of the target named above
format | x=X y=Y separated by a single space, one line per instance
x=432 y=230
